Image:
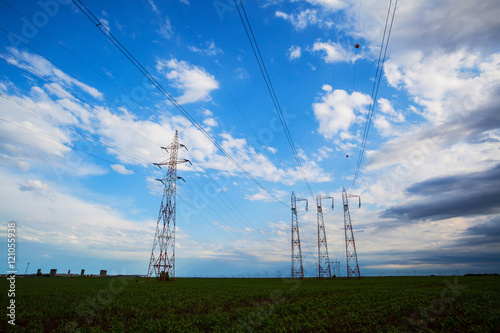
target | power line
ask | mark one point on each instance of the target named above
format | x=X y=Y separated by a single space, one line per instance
x=270 y=88
x=164 y=92
x=376 y=85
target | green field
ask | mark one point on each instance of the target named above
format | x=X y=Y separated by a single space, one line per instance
x=381 y=304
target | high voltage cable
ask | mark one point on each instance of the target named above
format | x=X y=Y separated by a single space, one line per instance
x=164 y=92
x=376 y=85
x=270 y=88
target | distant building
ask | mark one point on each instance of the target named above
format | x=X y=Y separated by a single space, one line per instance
x=53 y=272
x=82 y=273
x=103 y=273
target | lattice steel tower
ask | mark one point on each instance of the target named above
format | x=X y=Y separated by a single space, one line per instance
x=162 y=262
x=350 y=245
x=297 y=268
x=323 y=259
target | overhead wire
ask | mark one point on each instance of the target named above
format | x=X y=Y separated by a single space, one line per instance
x=376 y=85
x=256 y=51
x=165 y=93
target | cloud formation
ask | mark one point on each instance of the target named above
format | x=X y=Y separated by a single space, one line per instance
x=195 y=83
x=337 y=110
x=463 y=195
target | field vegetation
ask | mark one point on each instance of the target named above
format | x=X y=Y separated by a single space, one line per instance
x=381 y=304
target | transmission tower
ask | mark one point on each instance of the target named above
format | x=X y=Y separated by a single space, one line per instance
x=350 y=245
x=323 y=259
x=337 y=267
x=297 y=268
x=162 y=262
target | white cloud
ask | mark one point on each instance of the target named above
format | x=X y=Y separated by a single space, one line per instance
x=265 y=196
x=301 y=20
x=166 y=28
x=332 y=5
x=323 y=152
x=242 y=73
x=272 y=150
x=153 y=6
x=207 y=113
x=338 y=110
x=210 y=122
x=35 y=186
x=443 y=22
x=45 y=68
x=121 y=169
x=194 y=81
x=70 y=223
x=294 y=52
x=439 y=81
x=210 y=49
x=105 y=23
x=333 y=52
x=384 y=120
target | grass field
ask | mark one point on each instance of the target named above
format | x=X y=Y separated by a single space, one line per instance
x=378 y=304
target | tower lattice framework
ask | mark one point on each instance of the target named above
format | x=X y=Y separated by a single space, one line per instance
x=324 y=269
x=162 y=261
x=350 y=245
x=297 y=267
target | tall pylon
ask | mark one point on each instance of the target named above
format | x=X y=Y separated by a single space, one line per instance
x=297 y=268
x=350 y=245
x=324 y=269
x=162 y=261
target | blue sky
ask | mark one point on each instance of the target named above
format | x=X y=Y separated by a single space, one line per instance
x=80 y=128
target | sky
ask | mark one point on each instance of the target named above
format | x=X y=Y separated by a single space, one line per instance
x=80 y=129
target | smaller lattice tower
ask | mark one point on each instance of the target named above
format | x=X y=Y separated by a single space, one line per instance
x=162 y=261
x=297 y=268
x=350 y=245
x=324 y=269
x=337 y=267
